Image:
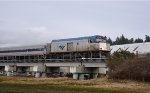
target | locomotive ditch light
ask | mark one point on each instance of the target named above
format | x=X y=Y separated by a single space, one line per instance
x=83 y=58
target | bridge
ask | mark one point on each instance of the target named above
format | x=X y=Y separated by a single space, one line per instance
x=77 y=56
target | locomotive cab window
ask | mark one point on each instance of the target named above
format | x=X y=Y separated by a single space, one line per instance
x=91 y=41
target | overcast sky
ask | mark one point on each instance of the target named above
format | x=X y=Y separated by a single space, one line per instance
x=27 y=22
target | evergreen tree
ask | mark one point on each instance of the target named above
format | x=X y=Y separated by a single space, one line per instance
x=138 y=40
x=121 y=40
x=131 y=41
x=117 y=41
x=147 y=38
x=109 y=41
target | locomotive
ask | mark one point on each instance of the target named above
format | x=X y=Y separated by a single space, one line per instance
x=81 y=44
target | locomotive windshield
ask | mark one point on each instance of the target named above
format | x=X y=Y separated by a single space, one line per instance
x=97 y=39
x=100 y=39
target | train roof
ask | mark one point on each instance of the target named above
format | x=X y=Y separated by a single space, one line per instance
x=79 y=38
x=22 y=47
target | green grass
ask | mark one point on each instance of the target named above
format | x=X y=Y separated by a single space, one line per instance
x=65 y=85
x=48 y=88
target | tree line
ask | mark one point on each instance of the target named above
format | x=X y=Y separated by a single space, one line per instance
x=124 y=40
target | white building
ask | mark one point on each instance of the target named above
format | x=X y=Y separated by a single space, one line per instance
x=137 y=48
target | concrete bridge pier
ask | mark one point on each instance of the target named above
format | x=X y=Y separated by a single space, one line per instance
x=78 y=72
x=10 y=69
x=40 y=70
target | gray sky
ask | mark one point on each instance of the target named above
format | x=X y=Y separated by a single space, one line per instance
x=27 y=22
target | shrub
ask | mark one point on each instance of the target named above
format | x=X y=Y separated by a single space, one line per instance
x=124 y=65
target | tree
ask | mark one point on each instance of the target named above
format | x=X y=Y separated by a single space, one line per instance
x=147 y=38
x=117 y=41
x=138 y=40
x=131 y=41
x=121 y=40
x=109 y=41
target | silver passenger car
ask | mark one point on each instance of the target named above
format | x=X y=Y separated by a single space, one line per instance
x=23 y=50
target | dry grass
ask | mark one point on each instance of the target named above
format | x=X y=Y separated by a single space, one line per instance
x=94 y=83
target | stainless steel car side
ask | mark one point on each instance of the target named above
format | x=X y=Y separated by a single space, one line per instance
x=23 y=50
x=91 y=43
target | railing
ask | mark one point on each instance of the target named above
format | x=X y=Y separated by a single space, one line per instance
x=54 y=60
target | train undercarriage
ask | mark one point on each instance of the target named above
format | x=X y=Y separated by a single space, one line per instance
x=87 y=56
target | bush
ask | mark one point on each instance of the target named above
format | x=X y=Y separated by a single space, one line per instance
x=126 y=66
x=69 y=75
x=118 y=58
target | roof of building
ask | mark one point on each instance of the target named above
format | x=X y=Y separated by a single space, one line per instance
x=140 y=48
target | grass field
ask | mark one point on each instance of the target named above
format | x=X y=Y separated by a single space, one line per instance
x=66 y=85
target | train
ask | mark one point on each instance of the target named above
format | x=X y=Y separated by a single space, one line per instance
x=70 y=45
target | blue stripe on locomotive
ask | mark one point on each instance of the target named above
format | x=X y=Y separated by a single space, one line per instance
x=92 y=38
x=25 y=50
